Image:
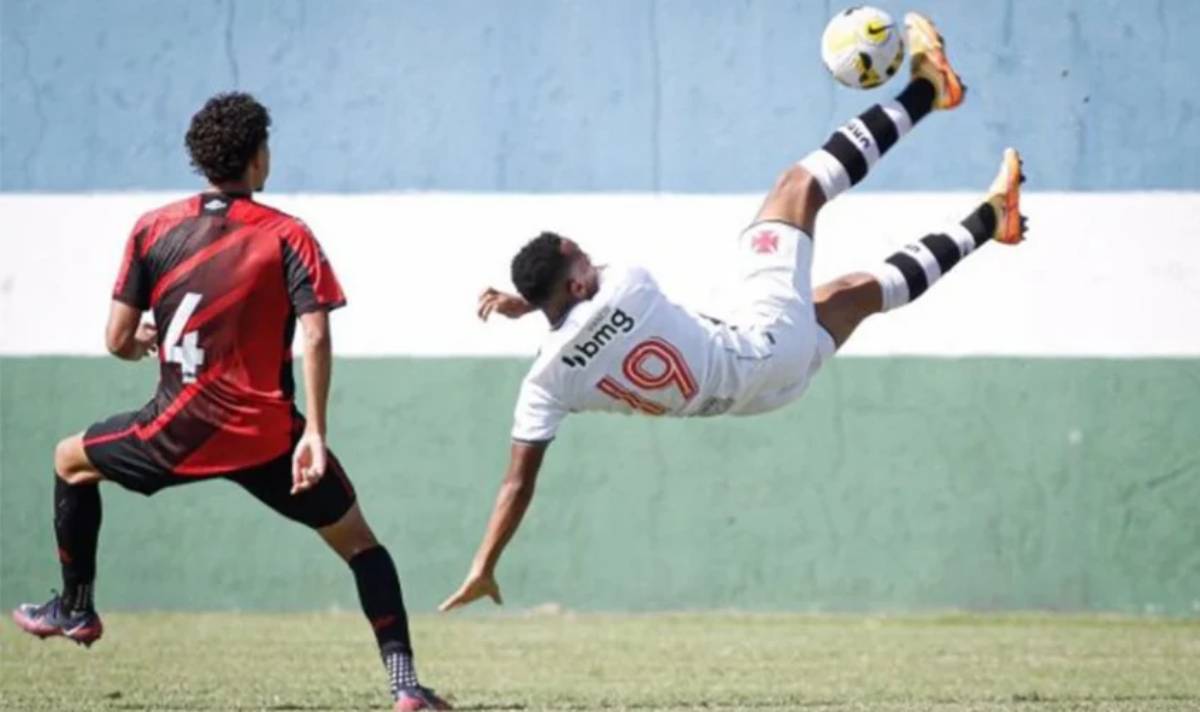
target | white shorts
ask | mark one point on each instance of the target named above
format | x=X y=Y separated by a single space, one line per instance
x=773 y=303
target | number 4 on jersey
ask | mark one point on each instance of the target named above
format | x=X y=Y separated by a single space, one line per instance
x=182 y=348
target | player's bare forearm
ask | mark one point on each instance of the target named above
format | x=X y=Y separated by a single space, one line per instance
x=318 y=368
x=515 y=495
x=125 y=336
x=516 y=492
x=125 y=348
x=309 y=456
x=493 y=301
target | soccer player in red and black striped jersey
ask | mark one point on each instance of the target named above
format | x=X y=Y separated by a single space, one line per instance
x=226 y=279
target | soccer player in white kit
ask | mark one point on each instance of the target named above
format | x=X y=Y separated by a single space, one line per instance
x=617 y=343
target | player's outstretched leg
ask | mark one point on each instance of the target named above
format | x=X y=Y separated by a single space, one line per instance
x=842 y=304
x=853 y=149
x=72 y=613
x=383 y=604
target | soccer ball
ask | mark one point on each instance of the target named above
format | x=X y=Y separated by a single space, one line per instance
x=862 y=47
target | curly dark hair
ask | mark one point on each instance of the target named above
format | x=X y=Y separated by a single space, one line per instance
x=538 y=267
x=225 y=134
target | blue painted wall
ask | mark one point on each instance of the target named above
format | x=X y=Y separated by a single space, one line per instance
x=529 y=95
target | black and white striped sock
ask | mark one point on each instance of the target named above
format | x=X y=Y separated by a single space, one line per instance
x=908 y=273
x=854 y=148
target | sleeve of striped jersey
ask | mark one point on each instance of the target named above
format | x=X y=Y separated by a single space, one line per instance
x=311 y=283
x=537 y=415
x=133 y=280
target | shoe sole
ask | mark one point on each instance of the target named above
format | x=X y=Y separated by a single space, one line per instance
x=421 y=705
x=1012 y=231
x=937 y=54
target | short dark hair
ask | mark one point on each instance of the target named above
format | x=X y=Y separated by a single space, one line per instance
x=538 y=267
x=225 y=134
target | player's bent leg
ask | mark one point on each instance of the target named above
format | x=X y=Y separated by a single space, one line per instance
x=842 y=304
x=795 y=199
x=350 y=535
x=382 y=602
x=907 y=274
x=77 y=516
x=330 y=508
x=71 y=462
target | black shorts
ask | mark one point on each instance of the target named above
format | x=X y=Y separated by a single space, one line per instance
x=128 y=461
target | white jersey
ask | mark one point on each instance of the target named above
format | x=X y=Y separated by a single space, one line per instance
x=630 y=350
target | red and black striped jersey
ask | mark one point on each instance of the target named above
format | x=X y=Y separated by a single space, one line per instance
x=226 y=278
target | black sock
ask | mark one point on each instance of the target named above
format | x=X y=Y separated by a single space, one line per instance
x=917 y=99
x=77 y=528
x=850 y=152
x=908 y=273
x=981 y=224
x=383 y=603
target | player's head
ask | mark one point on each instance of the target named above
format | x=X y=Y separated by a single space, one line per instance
x=553 y=273
x=227 y=140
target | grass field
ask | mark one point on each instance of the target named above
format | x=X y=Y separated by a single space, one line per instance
x=661 y=662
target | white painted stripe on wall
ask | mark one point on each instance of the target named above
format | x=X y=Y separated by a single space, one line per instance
x=1103 y=274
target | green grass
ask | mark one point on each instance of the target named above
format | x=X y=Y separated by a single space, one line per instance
x=654 y=662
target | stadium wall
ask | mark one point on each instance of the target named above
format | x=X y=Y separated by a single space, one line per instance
x=896 y=484
x=547 y=96
x=1022 y=437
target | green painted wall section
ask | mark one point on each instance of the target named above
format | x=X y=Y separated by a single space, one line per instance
x=895 y=484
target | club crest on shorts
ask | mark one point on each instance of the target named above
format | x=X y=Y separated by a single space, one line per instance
x=765 y=242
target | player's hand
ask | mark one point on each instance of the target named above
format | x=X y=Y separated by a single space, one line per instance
x=477 y=585
x=146 y=340
x=510 y=305
x=308 y=462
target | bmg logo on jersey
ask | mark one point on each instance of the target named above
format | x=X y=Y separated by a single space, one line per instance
x=606 y=329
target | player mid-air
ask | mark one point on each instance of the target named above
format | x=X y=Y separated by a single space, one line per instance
x=226 y=279
x=617 y=344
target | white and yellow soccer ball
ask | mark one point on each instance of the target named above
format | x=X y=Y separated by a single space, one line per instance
x=862 y=47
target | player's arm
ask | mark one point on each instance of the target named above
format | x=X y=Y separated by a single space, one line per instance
x=510 y=305
x=125 y=336
x=308 y=460
x=516 y=492
x=314 y=291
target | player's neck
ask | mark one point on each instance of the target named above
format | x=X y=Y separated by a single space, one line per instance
x=556 y=314
x=233 y=187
